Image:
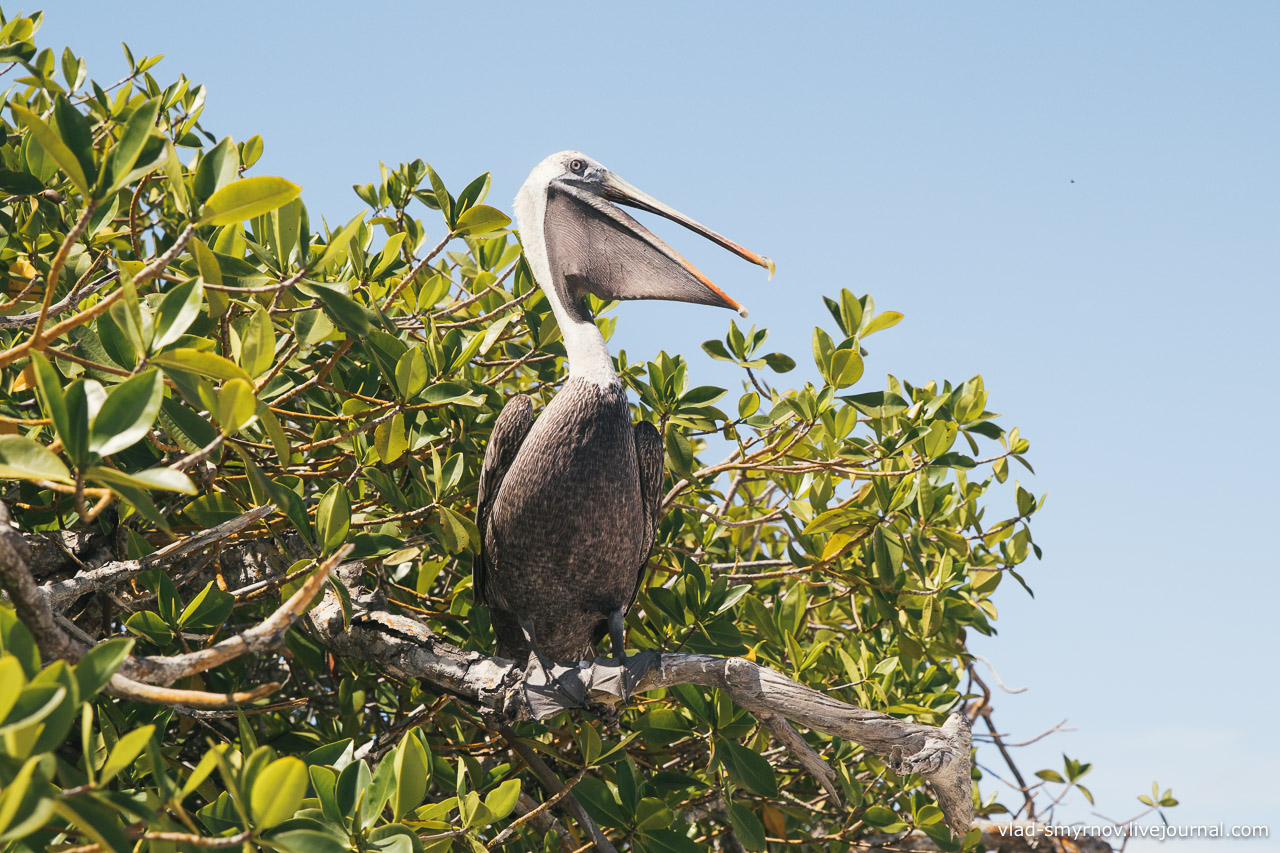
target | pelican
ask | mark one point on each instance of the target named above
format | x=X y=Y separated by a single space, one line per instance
x=568 y=503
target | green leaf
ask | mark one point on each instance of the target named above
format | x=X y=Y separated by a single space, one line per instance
x=389 y=254
x=878 y=404
x=53 y=146
x=747 y=827
x=411 y=373
x=35 y=703
x=200 y=363
x=178 y=310
x=206 y=766
x=379 y=792
x=217 y=169
x=845 y=369
x=501 y=801
x=480 y=219
x=651 y=814
x=19 y=183
x=886 y=320
x=154 y=479
x=348 y=314
x=389 y=439
x=126 y=750
x=367 y=545
x=459 y=532
x=208 y=609
x=12 y=680
x=19 y=800
x=149 y=626
x=100 y=822
x=412 y=771
x=780 y=362
x=442 y=393
x=717 y=350
x=747 y=767
x=128 y=413
x=236 y=406
x=257 y=341
x=883 y=818
x=98 y=665
x=333 y=519
x=24 y=459
x=444 y=201
x=338 y=243
x=49 y=386
x=177 y=182
x=76 y=132
x=137 y=130
x=279 y=440
x=278 y=791
x=247 y=198
x=308 y=841
x=679 y=453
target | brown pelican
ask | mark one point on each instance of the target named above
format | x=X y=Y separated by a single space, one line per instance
x=568 y=503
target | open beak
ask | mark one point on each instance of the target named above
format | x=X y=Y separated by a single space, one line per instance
x=617 y=190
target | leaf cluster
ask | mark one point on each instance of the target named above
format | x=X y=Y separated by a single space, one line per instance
x=181 y=341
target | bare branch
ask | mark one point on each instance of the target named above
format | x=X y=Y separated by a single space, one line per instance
x=805 y=754
x=266 y=635
x=406 y=649
x=59 y=594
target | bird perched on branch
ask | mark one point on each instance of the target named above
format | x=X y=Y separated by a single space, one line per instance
x=568 y=502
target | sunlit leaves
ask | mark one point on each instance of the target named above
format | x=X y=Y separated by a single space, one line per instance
x=54 y=146
x=24 y=459
x=278 y=791
x=178 y=310
x=333 y=519
x=844 y=538
x=127 y=413
x=481 y=219
x=244 y=199
x=133 y=137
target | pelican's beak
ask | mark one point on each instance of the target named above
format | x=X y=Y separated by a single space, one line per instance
x=617 y=190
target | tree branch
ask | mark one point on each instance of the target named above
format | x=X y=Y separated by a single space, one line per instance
x=60 y=594
x=406 y=649
x=130 y=682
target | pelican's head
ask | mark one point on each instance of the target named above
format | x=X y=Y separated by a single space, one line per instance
x=568 y=220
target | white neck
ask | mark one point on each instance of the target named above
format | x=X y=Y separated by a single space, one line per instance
x=589 y=358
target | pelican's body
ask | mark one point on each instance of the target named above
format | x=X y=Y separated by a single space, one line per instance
x=571 y=526
x=568 y=503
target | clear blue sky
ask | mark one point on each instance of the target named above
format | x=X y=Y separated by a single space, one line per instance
x=1080 y=202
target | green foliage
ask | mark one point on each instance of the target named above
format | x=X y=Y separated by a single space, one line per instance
x=351 y=377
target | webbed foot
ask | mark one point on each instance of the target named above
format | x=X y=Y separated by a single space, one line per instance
x=546 y=691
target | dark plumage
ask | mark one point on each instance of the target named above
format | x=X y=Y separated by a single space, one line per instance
x=568 y=509
x=568 y=503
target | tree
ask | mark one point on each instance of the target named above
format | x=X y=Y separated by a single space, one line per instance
x=241 y=460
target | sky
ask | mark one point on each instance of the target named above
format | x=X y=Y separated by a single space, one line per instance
x=1078 y=201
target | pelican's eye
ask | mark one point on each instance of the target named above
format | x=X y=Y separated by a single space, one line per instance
x=577 y=166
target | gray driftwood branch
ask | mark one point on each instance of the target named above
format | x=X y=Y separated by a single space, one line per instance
x=407 y=649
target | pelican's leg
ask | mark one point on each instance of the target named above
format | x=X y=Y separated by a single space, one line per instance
x=566 y=691
x=616 y=637
x=535 y=654
x=634 y=667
